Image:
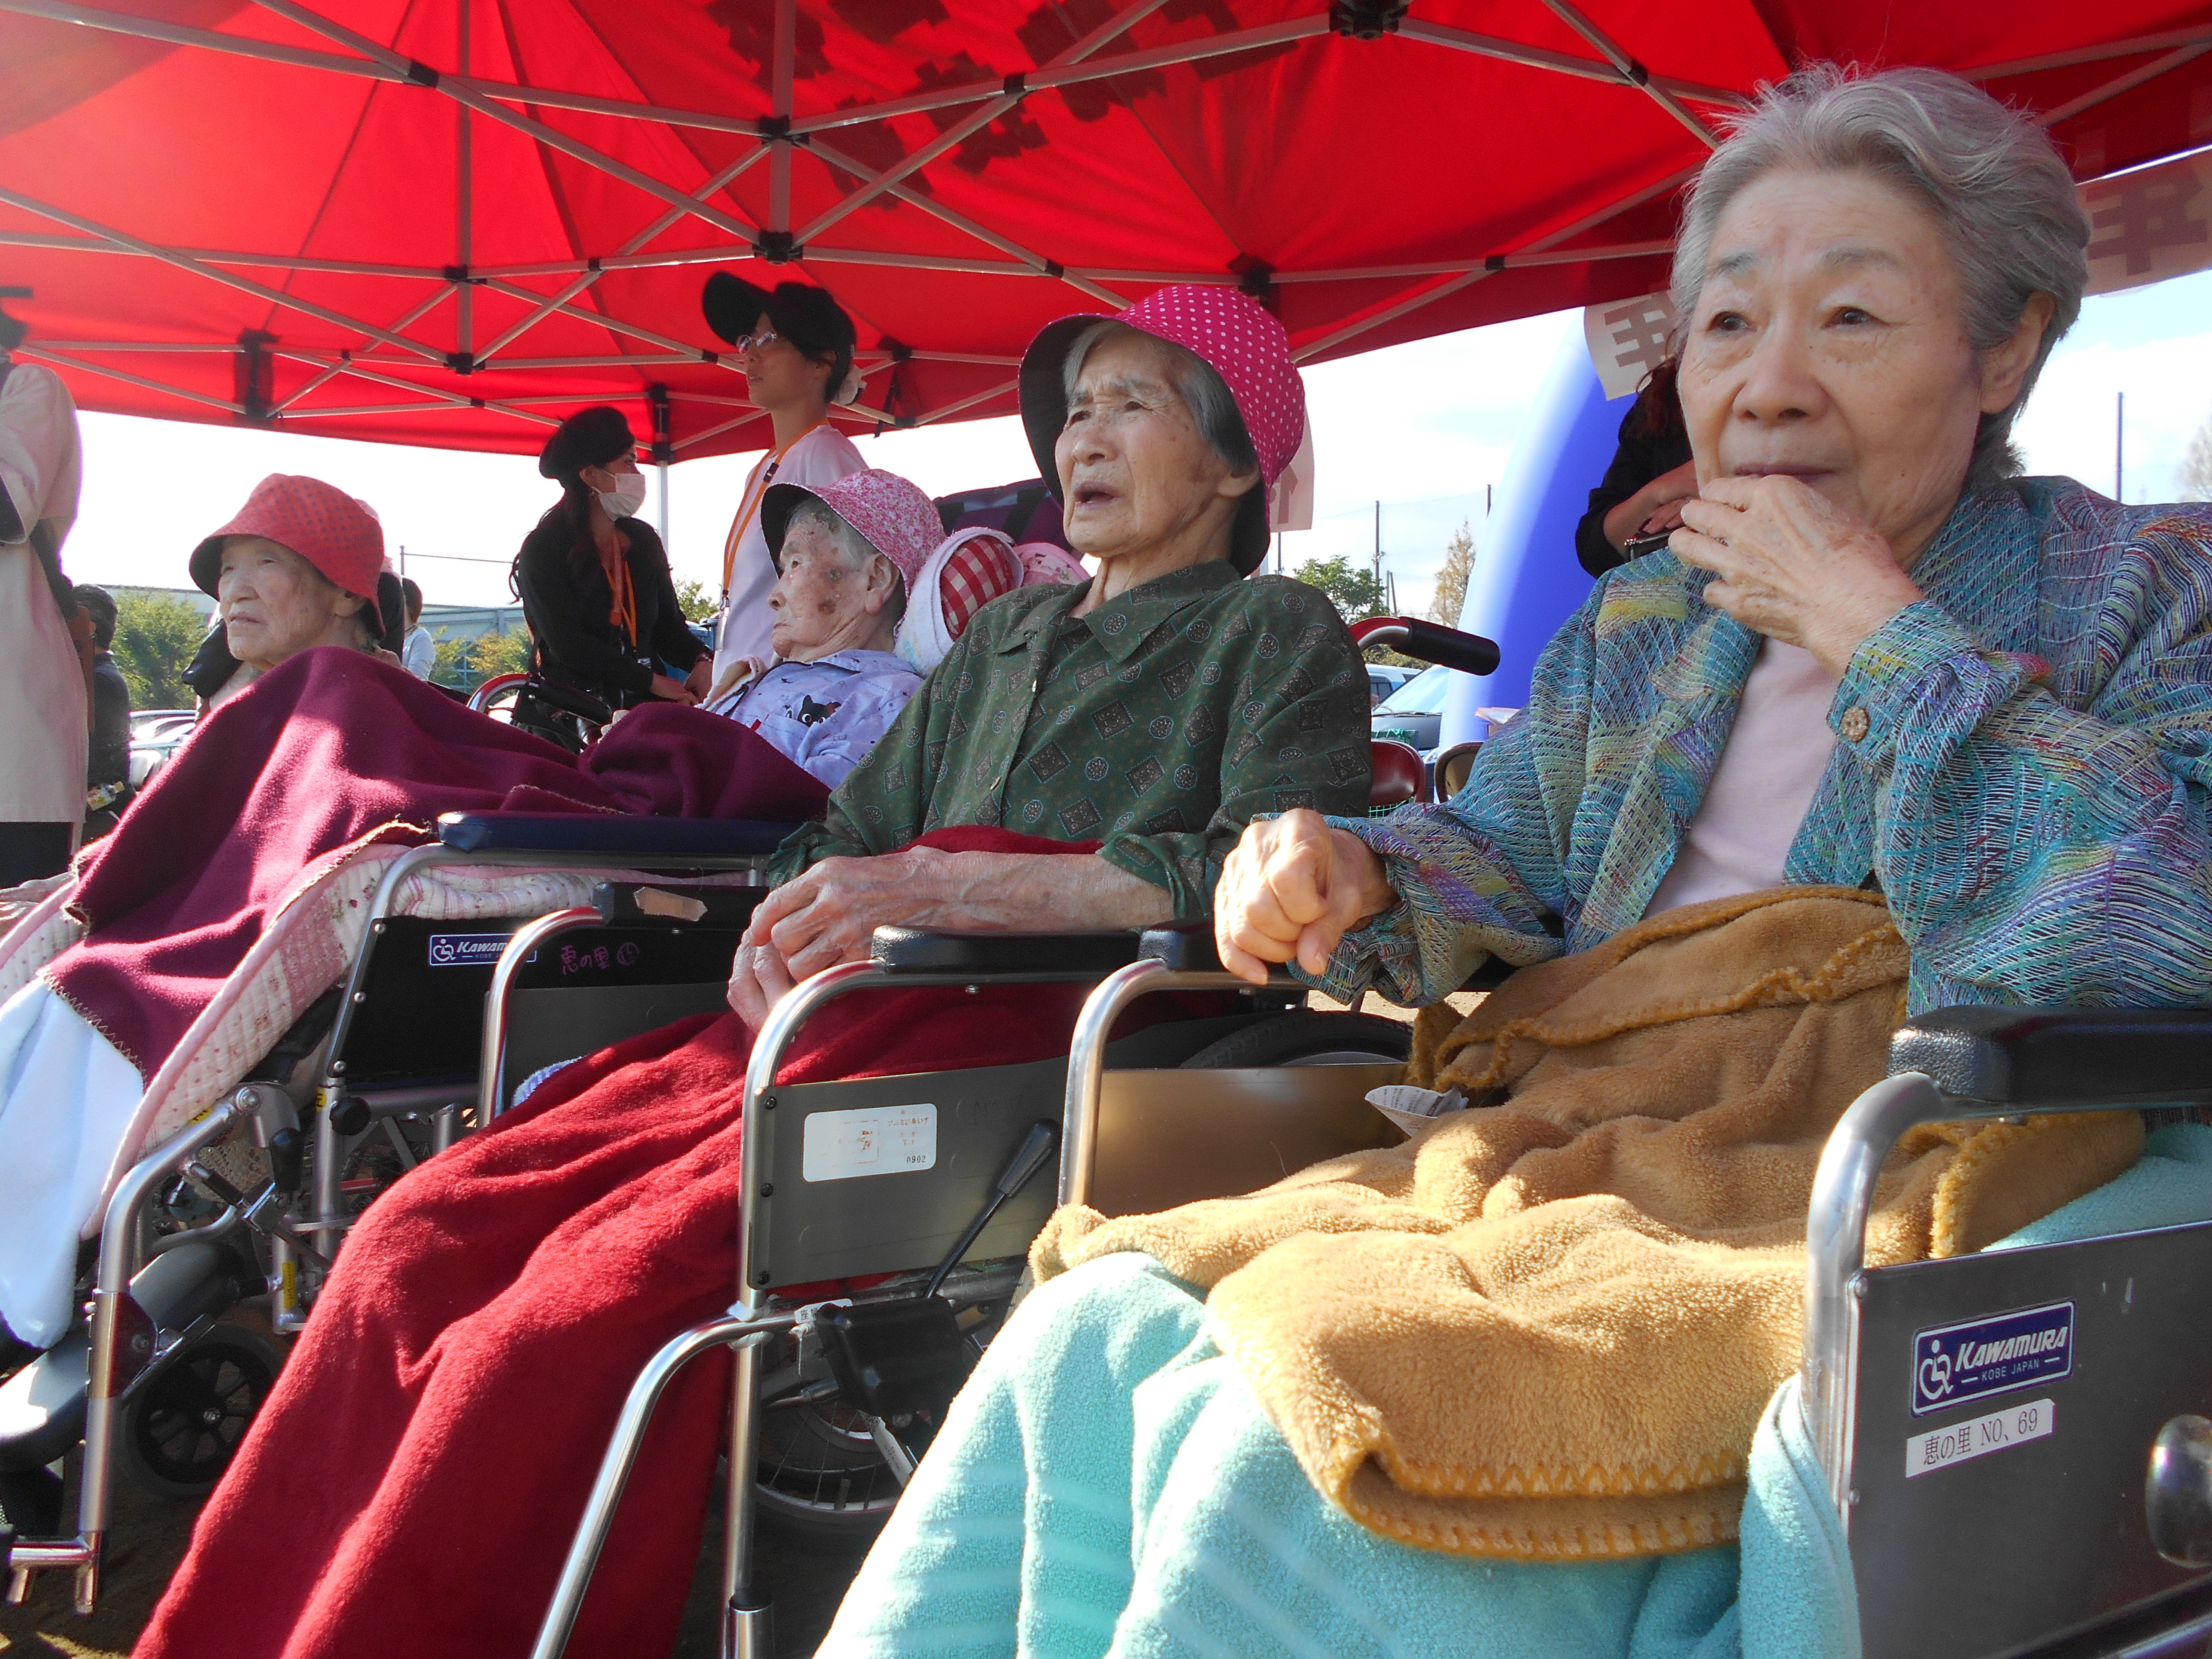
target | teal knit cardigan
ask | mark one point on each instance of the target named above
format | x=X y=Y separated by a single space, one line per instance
x=2030 y=790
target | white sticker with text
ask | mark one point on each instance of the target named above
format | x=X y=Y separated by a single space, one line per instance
x=1938 y=1449
x=869 y=1140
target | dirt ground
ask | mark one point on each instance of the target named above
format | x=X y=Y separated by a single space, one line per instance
x=807 y=1579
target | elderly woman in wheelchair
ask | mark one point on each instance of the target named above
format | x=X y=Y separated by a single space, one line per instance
x=1884 y=728
x=1085 y=755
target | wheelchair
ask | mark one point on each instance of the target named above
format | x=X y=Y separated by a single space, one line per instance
x=382 y=1070
x=2113 y=1515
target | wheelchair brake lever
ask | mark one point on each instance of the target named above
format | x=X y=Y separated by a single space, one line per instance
x=263 y=1213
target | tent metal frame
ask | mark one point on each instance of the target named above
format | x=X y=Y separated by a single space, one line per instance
x=385 y=348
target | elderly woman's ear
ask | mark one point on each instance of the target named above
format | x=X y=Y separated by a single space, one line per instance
x=2005 y=366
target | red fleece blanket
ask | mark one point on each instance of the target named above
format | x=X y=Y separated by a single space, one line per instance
x=330 y=751
x=413 y=1480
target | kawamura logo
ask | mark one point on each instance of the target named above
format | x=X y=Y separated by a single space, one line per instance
x=1953 y=1364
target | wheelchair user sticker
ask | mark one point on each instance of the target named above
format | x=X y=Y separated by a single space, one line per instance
x=2025 y=1348
x=467 y=950
x=869 y=1140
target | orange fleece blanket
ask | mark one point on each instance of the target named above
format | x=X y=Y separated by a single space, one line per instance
x=1546 y=1328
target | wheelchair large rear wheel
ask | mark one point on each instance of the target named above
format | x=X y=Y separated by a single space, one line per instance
x=1306 y=1036
x=181 y=1430
x=820 y=1474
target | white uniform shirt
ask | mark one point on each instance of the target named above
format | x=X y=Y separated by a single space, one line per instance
x=419 y=655
x=1763 y=785
x=820 y=457
x=42 y=704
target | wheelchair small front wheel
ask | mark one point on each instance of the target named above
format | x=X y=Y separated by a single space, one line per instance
x=180 y=1431
x=1308 y=1037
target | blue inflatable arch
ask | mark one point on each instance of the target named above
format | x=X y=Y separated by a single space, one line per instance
x=1526 y=579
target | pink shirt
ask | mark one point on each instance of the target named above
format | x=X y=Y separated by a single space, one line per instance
x=1763 y=786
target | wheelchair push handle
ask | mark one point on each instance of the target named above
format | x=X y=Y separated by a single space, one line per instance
x=1448 y=647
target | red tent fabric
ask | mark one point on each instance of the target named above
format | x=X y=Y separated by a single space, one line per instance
x=452 y=222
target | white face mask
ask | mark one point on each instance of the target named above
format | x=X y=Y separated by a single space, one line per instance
x=628 y=495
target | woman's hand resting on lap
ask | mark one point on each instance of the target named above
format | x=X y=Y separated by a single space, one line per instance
x=1294 y=887
x=828 y=914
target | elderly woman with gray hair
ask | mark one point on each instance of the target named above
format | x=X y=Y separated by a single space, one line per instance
x=1874 y=676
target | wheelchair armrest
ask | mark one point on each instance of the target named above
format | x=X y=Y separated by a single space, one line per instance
x=635 y=903
x=614 y=835
x=2059 y=1056
x=946 y=951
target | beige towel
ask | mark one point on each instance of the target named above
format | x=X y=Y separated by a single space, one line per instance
x=1546 y=1326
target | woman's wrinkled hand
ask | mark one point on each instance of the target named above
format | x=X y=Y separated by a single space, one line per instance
x=829 y=912
x=758 y=979
x=668 y=690
x=1293 y=887
x=701 y=680
x=1793 y=565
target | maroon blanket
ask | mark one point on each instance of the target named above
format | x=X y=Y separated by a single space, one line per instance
x=330 y=750
x=412 y=1484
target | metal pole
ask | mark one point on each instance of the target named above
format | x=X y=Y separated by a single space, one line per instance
x=464 y=206
x=662 y=468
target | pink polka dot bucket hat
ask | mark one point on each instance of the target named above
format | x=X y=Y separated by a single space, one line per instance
x=1233 y=333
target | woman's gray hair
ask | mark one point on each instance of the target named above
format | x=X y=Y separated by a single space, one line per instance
x=1993 y=180
x=1204 y=392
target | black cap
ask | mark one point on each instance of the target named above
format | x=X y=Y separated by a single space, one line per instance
x=591 y=437
x=803 y=314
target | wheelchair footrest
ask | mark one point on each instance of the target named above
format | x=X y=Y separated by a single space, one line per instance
x=42 y=1409
x=896 y=1360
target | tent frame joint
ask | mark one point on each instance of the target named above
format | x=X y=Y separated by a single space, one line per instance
x=1366 y=20
x=778 y=247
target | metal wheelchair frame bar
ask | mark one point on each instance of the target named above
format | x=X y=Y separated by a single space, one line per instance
x=746 y=1628
x=1086 y=1056
x=1835 y=1245
x=327 y=1217
x=111 y=1285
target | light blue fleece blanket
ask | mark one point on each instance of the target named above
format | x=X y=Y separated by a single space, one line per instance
x=1106 y=1486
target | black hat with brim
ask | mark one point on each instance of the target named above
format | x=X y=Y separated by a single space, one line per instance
x=591 y=437
x=1044 y=412
x=804 y=315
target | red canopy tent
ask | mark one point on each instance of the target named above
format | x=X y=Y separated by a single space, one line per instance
x=451 y=222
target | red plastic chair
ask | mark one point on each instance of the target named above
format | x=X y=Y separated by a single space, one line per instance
x=1400 y=776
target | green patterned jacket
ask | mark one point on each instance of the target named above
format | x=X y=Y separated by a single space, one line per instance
x=1159 y=723
x=2023 y=763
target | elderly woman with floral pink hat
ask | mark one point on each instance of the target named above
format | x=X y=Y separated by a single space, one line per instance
x=846 y=555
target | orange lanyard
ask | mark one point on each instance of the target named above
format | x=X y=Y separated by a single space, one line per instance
x=749 y=508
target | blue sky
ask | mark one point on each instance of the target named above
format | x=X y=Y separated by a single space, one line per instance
x=1423 y=428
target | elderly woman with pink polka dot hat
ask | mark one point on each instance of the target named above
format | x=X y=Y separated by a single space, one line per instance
x=1154 y=708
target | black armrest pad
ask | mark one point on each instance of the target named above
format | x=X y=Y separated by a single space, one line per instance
x=625 y=836
x=1185 y=946
x=2053 y=1056
x=932 y=951
x=641 y=902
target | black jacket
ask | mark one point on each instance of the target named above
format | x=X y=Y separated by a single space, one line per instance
x=110 y=757
x=566 y=611
x=1643 y=456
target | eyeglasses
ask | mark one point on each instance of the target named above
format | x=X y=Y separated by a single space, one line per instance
x=758 y=342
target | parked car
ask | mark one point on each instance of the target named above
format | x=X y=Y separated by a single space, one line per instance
x=154 y=735
x=1414 y=714
x=1385 y=679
